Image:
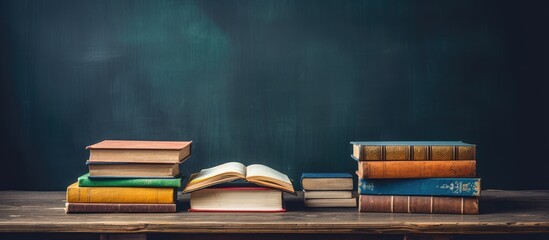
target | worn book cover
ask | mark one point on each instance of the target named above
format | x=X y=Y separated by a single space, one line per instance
x=413 y=150
x=119 y=208
x=140 y=151
x=76 y=194
x=417 y=169
x=417 y=204
x=86 y=181
x=421 y=186
x=327 y=181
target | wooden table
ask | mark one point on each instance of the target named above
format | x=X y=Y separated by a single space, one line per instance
x=23 y=215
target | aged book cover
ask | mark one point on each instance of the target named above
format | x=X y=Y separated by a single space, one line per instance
x=85 y=181
x=413 y=150
x=119 y=208
x=330 y=202
x=133 y=170
x=417 y=169
x=140 y=151
x=327 y=181
x=76 y=194
x=327 y=194
x=421 y=186
x=417 y=204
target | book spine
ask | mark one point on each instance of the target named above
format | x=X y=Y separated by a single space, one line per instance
x=119 y=208
x=77 y=194
x=422 y=187
x=416 y=169
x=400 y=153
x=137 y=182
x=417 y=204
x=326 y=202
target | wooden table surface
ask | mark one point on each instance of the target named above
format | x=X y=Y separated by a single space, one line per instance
x=501 y=212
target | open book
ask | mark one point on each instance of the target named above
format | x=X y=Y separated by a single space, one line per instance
x=228 y=172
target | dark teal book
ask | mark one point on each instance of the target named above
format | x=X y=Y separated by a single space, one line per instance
x=86 y=181
x=459 y=187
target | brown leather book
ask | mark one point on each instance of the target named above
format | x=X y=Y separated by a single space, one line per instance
x=413 y=150
x=416 y=169
x=140 y=151
x=417 y=204
x=118 y=208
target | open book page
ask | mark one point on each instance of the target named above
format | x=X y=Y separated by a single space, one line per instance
x=226 y=172
x=266 y=176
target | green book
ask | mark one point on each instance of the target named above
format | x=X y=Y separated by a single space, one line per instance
x=85 y=181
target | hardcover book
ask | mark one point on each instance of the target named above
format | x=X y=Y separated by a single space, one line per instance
x=228 y=172
x=86 y=181
x=118 y=208
x=417 y=204
x=417 y=169
x=330 y=202
x=133 y=170
x=237 y=199
x=327 y=181
x=140 y=151
x=413 y=150
x=76 y=194
x=421 y=186
x=327 y=194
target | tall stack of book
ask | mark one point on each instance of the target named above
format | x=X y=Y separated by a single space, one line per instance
x=233 y=187
x=417 y=177
x=328 y=190
x=129 y=176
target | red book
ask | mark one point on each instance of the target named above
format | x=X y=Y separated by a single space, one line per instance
x=237 y=199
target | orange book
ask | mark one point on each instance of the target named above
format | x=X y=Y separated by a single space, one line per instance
x=76 y=194
x=416 y=169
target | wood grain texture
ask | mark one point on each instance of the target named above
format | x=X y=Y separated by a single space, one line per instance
x=501 y=212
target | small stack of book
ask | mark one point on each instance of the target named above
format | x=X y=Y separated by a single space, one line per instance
x=328 y=190
x=257 y=188
x=417 y=177
x=129 y=176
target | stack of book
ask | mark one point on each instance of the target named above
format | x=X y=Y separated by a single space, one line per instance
x=129 y=176
x=328 y=190
x=233 y=187
x=417 y=177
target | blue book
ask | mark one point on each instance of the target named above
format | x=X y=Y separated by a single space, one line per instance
x=421 y=187
x=327 y=181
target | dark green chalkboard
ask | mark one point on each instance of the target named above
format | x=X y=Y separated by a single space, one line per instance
x=284 y=83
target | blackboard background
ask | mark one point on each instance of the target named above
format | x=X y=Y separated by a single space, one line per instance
x=284 y=83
